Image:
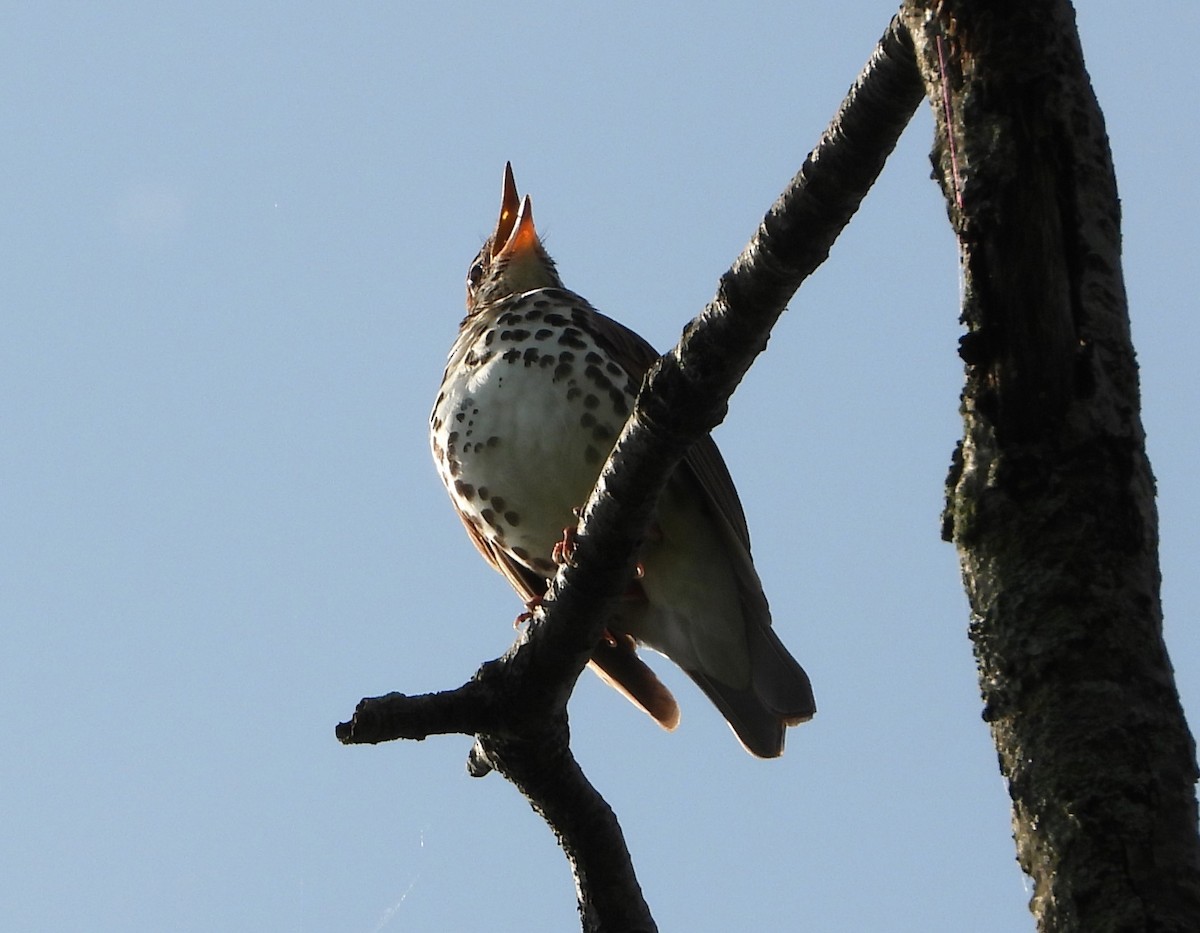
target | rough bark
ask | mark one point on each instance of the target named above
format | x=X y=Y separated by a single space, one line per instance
x=1050 y=500
x=516 y=706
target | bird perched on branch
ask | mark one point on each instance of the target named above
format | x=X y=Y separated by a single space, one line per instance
x=536 y=390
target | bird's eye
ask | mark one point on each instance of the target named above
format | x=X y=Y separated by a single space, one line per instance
x=475 y=275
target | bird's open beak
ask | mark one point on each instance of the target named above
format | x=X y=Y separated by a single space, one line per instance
x=515 y=236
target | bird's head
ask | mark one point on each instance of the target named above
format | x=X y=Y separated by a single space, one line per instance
x=512 y=260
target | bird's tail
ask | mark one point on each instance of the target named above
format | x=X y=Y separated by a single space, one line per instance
x=779 y=694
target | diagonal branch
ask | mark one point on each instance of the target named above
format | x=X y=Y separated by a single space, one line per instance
x=516 y=705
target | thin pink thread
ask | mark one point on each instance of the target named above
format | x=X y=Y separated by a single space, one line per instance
x=949 y=125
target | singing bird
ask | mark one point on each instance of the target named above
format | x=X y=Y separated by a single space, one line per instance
x=537 y=388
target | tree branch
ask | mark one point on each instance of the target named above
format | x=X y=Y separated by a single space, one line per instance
x=516 y=705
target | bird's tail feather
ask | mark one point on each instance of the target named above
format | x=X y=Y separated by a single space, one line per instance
x=615 y=659
x=779 y=695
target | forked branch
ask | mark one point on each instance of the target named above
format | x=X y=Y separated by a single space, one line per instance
x=516 y=706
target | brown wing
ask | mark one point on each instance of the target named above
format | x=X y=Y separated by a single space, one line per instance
x=615 y=659
x=529 y=585
x=780 y=693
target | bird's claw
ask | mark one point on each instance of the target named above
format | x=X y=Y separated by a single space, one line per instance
x=564 y=550
x=531 y=607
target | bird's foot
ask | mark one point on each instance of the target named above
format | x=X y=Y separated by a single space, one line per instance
x=564 y=550
x=531 y=607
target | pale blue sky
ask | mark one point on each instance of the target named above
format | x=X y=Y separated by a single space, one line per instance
x=234 y=240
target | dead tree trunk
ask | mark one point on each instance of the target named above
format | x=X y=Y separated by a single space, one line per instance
x=1050 y=500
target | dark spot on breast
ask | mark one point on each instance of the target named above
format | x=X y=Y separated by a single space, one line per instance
x=520 y=553
x=556 y=320
x=544 y=333
x=602 y=432
x=614 y=369
x=466 y=490
x=561 y=371
x=512 y=518
x=591 y=454
x=531 y=356
x=493 y=441
x=587 y=419
x=570 y=338
x=489 y=337
x=594 y=358
x=483 y=493
x=566 y=356
x=511 y=356
x=498 y=503
x=545 y=361
x=590 y=401
x=534 y=313
x=541 y=303
x=573 y=393
x=602 y=381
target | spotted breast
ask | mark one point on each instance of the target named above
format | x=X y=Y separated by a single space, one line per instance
x=532 y=390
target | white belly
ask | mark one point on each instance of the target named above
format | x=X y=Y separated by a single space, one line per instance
x=526 y=431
